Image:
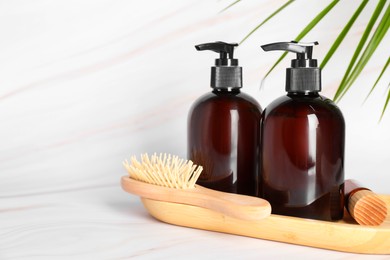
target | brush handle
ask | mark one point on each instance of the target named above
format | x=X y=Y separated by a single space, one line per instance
x=364 y=205
x=233 y=205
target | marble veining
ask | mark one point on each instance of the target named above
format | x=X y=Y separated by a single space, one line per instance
x=86 y=84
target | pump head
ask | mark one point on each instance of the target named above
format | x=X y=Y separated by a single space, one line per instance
x=304 y=75
x=226 y=74
x=224 y=49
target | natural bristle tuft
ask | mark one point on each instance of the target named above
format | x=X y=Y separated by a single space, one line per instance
x=164 y=170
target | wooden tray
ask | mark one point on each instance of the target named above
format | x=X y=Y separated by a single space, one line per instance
x=344 y=235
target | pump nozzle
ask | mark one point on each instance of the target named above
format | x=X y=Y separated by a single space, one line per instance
x=304 y=75
x=226 y=73
x=304 y=52
x=222 y=48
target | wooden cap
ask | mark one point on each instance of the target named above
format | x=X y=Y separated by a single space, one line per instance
x=367 y=208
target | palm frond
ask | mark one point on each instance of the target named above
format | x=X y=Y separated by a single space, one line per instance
x=306 y=30
x=379 y=77
x=343 y=33
x=372 y=45
x=386 y=103
x=359 y=48
x=267 y=19
x=227 y=7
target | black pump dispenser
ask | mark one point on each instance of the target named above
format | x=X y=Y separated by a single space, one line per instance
x=302 y=144
x=304 y=76
x=224 y=128
x=226 y=74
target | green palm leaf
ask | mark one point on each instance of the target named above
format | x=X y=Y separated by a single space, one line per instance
x=362 y=41
x=306 y=30
x=379 y=77
x=343 y=33
x=267 y=19
x=374 y=42
x=363 y=51
x=227 y=7
x=386 y=103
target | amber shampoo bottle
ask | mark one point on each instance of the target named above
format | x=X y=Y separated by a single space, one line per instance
x=302 y=144
x=223 y=128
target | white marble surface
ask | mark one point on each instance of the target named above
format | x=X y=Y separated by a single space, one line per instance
x=85 y=84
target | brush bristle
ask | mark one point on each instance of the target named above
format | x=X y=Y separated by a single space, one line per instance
x=164 y=170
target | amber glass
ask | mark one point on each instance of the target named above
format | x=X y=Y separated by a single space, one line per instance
x=302 y=157
x=223 y=137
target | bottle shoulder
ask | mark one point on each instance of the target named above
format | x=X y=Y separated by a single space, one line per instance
x=231 y=99
x=302 y=106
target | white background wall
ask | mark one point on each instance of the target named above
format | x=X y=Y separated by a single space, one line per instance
x=85 y=84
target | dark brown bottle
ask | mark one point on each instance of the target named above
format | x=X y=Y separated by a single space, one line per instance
x=223 y=129
x=302 y=147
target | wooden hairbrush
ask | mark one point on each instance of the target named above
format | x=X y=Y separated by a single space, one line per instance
x=168 y=178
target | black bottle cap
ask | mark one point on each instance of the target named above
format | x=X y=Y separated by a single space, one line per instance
x=304 y=75
x=226 y=74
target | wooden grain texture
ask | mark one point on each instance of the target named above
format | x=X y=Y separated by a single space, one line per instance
x=341 y=236
x=234 y=205
x=367 y=208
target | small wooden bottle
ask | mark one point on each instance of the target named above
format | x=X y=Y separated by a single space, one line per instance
x=364 y=205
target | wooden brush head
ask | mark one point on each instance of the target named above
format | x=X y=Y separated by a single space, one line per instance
x=164 y=170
